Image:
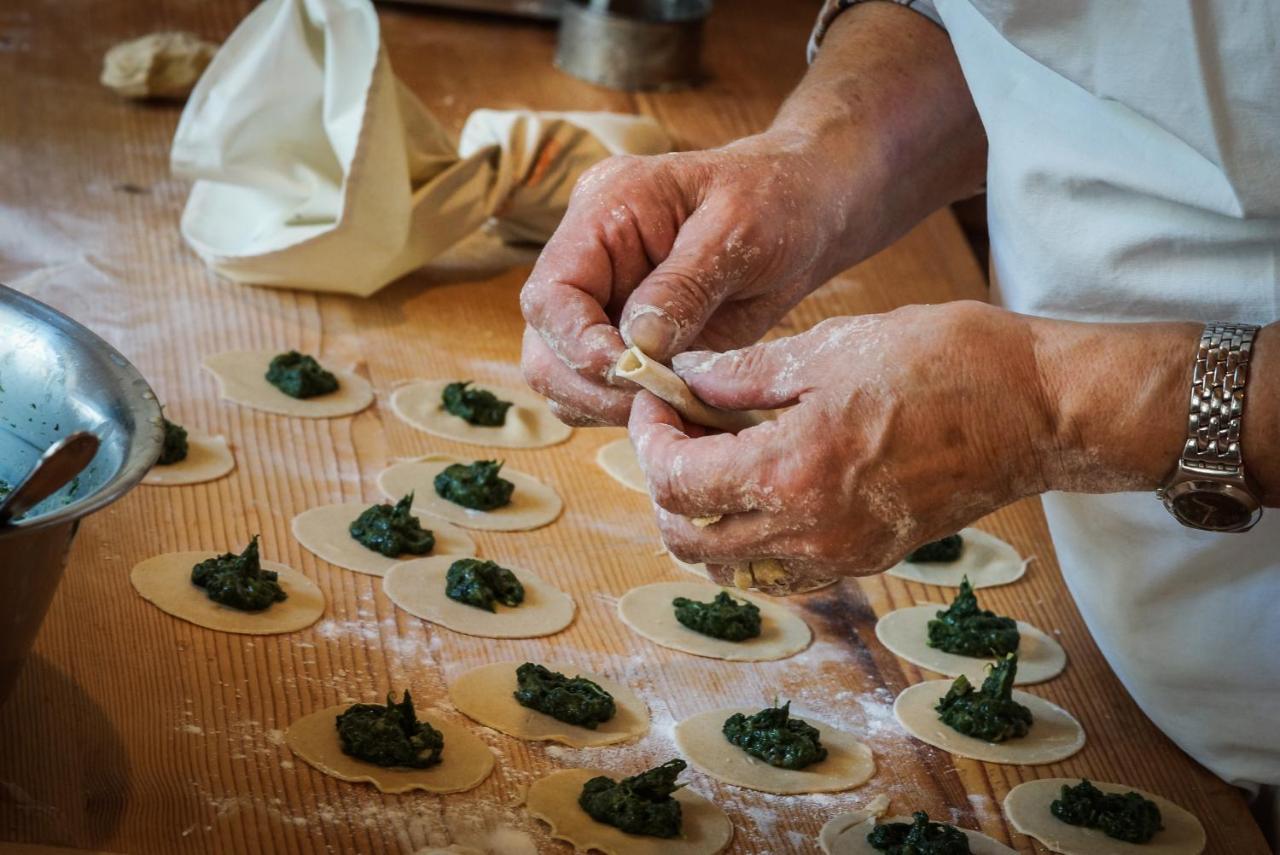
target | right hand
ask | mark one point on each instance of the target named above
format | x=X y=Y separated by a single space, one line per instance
x=705 y=249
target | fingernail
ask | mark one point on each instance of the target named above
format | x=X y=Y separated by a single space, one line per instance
x=651 y=330
x=693 y=362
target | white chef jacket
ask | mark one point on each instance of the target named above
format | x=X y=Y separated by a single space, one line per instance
x=1134 y=175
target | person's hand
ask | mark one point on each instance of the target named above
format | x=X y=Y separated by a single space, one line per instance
x=705 y=249
x=901 y=428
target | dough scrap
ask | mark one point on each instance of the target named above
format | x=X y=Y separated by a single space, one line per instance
x=636 y=366
x=701 y=571
x=618 y=459
x=485 y=695
x=648 y=610
x=324 y=531
x=157 y=65
x=241 y=377
x=705 y=829
x=848 y=763
x=165 y=580
x=466 y=760
x=833 y=830
x=533 y=504
x=905 y=633
x=987 y=560
x=529 y=422
x=1055 y=735
x=208 y=459
x=417 y=586
x=847 y=835
x=1027 y=809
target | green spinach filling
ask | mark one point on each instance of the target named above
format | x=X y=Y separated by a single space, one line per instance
x=574 y=700
x=389 y=735
x=989 y=713
x=776 y=738
x=391 y=530
x=1129 y=817
x=641 y=804
x=475 y=406
x=919 y=837
x=939 y=551
x=475 y=485
x=300 y=376
x=174 y=449
x=967 y=630
x=724 y=617
x=238 y=581
x=480 y=583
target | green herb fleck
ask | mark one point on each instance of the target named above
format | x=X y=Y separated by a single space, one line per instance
x=776 y=738
x=939 y=551
x=391 y=530
x=389 y=735
x=475 y=485
x=238 y=581
x=475 y=406
x=175 y=444
x=641 y=804
x=479 y=583
x=989 y=713
x=5 y=489
x=574 y=701
x=724 y=617
x=300 y=376
x=967 y=630
x=919 y=837
x=1129 y=817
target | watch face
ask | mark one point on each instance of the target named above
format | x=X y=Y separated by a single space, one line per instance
x=1212 y=510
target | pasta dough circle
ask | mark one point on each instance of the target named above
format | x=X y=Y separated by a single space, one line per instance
x=848 y=763
x=324 y=531
x=466 y=760
x=208 y=459
x=1054 y=735
x=533 y=503
x=165 y=581
x=705 y=828
x=417 y=586
x=529 y=422
x=905 y=633
x=485 y=694
x=1027 y=809
x=649 y=612
x=241 y=377
x=987 y=560
x=618 y=460
x=847 y=833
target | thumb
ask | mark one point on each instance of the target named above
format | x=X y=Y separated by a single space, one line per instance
x=763 y=376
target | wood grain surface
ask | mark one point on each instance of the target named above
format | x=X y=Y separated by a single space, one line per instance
x=131 y=731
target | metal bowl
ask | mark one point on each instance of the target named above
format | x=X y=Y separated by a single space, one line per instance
x=56 y=377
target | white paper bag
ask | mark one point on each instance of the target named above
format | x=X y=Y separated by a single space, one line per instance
x=316 y=168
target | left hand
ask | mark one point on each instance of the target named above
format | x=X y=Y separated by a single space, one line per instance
x=899 y=429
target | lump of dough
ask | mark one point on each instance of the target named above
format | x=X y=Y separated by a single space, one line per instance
x=158 y=65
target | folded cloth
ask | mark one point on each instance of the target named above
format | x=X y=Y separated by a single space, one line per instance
x=316 y=168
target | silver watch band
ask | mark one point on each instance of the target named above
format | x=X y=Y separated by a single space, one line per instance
x=1217 y=397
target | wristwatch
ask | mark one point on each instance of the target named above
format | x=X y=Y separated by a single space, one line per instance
x=1209 y=490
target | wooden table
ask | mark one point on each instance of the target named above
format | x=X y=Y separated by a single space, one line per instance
x=132 y=731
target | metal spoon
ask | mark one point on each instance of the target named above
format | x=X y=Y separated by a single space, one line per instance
x=63 y=461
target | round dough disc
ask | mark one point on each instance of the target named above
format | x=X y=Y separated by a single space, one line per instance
x=906 y=632
x=848 y=764
x=1054 y=734
x=486 y=695
x=529 y=422
x=648 y=611
x=1027 y=809
x=165 y=580
x=533 y=504
x=417 y=586
x=847 y=835
x=704 y=830
x=242 y=380
x=466 y=760
x=325 y=532
x=987 y=561
x=618 y=459
x=208 y=459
